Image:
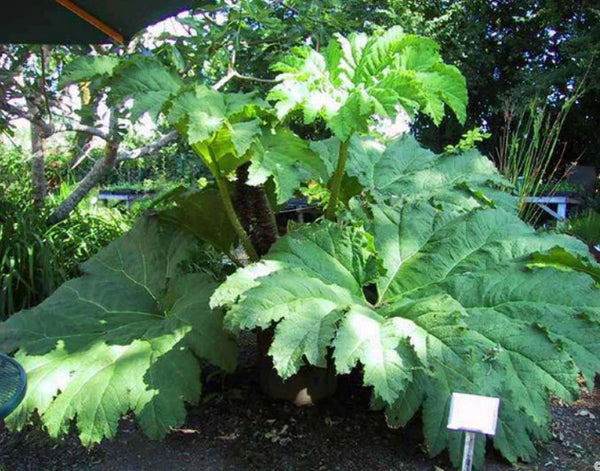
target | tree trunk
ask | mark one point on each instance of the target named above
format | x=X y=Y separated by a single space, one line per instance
x=38 y=166
x=38 y=151
x=100 y=168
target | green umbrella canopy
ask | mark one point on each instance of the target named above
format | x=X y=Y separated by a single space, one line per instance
x=84 y=21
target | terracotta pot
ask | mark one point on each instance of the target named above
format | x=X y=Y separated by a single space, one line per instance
x=305 y=388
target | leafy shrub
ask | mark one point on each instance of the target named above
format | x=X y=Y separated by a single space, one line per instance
x=462 y=294
x=586 y=226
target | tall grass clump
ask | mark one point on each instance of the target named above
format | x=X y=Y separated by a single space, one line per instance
x=529 y=152
x=36 y=258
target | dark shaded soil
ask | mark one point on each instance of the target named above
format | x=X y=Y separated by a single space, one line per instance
x=237 y=428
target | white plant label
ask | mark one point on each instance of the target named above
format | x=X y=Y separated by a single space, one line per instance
x=472 y=413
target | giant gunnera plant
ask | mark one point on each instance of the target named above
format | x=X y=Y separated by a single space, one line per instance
x=420 y=271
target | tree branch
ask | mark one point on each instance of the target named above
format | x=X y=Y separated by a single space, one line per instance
x=100 y=168
x=226 y=78
x=232 y=73
x=55 y=128
x=149 y=149
x=49 y=129
x=254 y=79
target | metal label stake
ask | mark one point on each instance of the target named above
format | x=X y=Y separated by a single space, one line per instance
x=467 y=462
x=472 y=414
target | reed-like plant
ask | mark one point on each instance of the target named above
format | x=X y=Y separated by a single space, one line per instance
x=530 y=152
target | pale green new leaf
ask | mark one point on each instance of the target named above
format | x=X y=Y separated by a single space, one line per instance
x=359 y=76
x=243 y=134
x=198 y=113
x=378 y=53
x=446 y=84
x=123 y=337
x=222 y=128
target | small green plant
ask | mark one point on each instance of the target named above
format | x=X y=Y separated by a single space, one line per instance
x=586 y=226
x=468 y=141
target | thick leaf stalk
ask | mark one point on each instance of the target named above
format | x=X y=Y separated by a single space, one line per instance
x=336 y=183
x=213 y=166
x=233 y=219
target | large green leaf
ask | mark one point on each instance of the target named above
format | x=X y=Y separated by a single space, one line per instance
x=124 y=337
x=311 y=284
x=531 y=327
x=405 y=170
x=87 y=68
x=287 y=159
x=145 y=81
x=202 y=214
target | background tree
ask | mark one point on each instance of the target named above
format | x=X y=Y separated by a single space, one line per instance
x=508 y=51
x=34 y=88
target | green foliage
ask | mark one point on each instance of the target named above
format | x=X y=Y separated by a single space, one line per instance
x=220 y=127
x=35 y=258
x=404 y=169
x=147 y=82
x=288 y=160
x=560 y=259
x=87 y=68
x=468 y=141
x=361 y=76
x=201 y=213
x=135 y=325
x=586 y=226
x=357 y=77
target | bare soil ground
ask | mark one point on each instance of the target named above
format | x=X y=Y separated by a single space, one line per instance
x=238 y=428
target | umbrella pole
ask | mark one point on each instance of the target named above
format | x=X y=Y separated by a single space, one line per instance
x=91 y=19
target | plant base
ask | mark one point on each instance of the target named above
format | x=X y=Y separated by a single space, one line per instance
x=307 y=387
